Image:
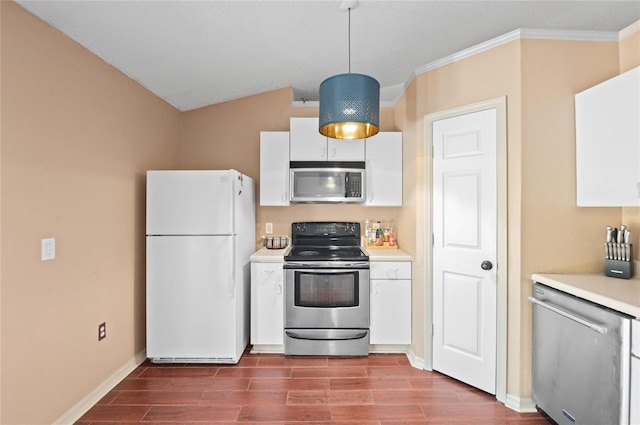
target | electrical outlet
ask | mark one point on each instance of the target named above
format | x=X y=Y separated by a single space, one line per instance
x=102 y=331
x=268 y=228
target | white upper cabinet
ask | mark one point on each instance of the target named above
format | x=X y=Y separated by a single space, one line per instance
x=384 y=170
x=274 y=168
x=608 y=143
x=307 y=144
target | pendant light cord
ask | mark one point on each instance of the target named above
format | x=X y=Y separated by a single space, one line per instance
x=349 y=38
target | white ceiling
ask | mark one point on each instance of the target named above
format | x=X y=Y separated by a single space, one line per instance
x=198 y=53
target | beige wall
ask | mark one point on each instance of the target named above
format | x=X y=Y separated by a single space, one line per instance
x=539 y=79
x=0 y=216
x=630 y=58
x=492 y=74
x=556 y=235
x=227 y=135
x=77 y=137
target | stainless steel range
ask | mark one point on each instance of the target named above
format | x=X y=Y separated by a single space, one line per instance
x=326 y=293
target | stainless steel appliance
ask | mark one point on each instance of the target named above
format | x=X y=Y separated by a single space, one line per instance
x=326 y=291
x=327 y=181
x=581 y=359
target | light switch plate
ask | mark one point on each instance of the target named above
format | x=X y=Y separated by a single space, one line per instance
x=268 y=228
x=48 y=249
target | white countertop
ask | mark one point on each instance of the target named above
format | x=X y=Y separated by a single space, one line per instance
x=619 y=294
x=264 y=255
x=387 y=254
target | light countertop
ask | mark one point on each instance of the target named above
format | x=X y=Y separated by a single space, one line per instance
x=387 y=254
x=619 y=294
x=264 y=255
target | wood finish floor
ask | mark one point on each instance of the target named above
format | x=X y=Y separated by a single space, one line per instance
x=382 y=389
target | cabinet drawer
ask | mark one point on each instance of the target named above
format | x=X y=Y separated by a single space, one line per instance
x=635 y=338
x=390 y=270
x=266 y=274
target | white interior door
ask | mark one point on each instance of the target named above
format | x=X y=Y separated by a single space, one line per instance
x=465 y=248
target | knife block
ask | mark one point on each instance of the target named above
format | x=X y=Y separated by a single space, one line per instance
x=620 y=268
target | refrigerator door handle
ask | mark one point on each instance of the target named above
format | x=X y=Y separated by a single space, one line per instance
x=232 y=272
x=593 y=326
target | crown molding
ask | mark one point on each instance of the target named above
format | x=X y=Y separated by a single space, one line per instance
x=519 y=34
x=631 y=29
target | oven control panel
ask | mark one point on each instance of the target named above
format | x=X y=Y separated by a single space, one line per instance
x=320 y=229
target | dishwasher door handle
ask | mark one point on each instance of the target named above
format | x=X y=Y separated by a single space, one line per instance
x=593 y=326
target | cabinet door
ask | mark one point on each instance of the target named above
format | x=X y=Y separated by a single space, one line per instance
x=345 y=150
x=267 y=308
x=635 y=391
x=390 y=270
x=274 y=168
x=390 y=320
x=608 y=143
x=384 y=170
x=307 y=144
x=635 y=373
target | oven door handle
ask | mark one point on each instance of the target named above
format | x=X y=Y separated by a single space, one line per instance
x=324 y=265
x=343 y=335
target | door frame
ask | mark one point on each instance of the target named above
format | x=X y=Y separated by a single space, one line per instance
x=500 y=104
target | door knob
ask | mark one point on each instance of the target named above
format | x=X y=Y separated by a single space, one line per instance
x=486 y=265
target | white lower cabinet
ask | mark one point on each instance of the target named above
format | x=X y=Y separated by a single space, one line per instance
x=635 y=373
x=267 y=307
x=390 y=315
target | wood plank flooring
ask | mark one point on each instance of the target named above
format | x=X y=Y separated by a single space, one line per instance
x=270 y=389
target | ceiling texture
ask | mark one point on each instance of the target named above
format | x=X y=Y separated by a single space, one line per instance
x=199 y=53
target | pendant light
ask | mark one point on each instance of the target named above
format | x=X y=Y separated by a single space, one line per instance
x=349 y=103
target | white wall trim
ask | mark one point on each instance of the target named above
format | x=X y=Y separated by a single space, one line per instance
x=519 y=34
x=76 y=412
x=417 y=362
x=631 y=29
x=521 y=405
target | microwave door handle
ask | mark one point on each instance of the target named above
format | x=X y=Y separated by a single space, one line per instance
x=346 y=185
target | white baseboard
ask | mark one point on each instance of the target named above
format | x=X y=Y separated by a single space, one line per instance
x=521 y=405
x=417 y=362
x=76 y=412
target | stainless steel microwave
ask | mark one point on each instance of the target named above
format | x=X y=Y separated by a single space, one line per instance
x=327 y=181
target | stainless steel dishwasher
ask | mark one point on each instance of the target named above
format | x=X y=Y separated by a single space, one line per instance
x=581 y=359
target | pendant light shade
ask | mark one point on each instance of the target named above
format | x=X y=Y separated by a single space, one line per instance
x=349 y=103
x=349 y=106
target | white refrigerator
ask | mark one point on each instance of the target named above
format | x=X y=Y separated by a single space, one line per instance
x=200 y=235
